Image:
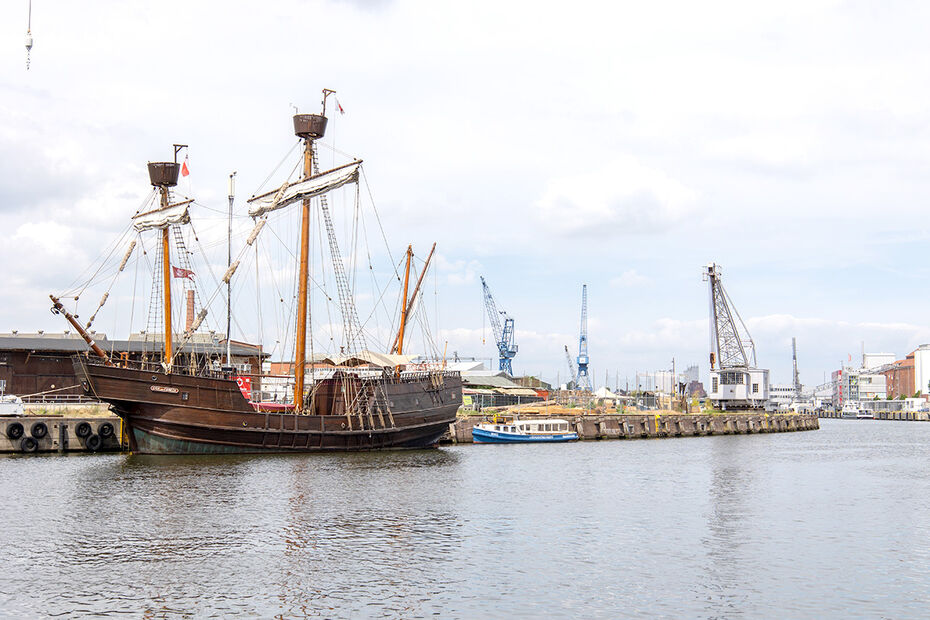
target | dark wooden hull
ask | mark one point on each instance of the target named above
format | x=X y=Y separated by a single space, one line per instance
x=183 y=414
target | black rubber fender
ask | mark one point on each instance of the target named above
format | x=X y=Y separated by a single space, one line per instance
x=93 y=443
x=83 y=430
x=39 y=430
x=28 y=445
x=14 y=431
x=105 y=430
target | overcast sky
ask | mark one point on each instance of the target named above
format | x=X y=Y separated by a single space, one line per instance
x=542 y=145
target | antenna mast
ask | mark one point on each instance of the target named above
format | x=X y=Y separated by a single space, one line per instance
x=29 y=36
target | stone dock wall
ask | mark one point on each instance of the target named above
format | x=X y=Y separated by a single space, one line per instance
x=646 y=425
x=914 y=416
x=56 y=433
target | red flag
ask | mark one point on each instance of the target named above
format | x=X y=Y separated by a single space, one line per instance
x=180 y=272
x=245 y=386
x=850 y=356
x=185 y=171
x=339 y=107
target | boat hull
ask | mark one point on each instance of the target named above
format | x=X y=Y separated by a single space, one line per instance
x=479 y=435
x=182 y=414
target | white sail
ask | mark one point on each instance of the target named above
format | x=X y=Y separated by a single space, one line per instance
x=165 y=216
x=314 y=186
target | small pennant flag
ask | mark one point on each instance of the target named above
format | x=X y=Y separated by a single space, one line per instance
x=185 y=171
x=339 y=107
x=180 y=272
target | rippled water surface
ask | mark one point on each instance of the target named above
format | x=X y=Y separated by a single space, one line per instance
x=829 y=523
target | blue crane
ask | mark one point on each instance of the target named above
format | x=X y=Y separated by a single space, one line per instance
x=584 y=381
x=503 y=331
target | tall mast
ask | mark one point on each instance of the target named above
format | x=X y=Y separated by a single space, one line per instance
x=232 y=196
x=164 y=175
x=309 y=127
x=403 y=308
x=413 y=297
x=166 y=276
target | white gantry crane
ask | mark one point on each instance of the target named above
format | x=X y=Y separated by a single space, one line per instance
x=735 y=381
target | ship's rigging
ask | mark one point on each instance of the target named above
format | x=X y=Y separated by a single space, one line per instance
x=196 y=303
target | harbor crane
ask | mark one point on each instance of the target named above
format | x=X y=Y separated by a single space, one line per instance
x=503 y=330
x=735 y=380
x=573 y=381
x=794 y=360
x=582 y=380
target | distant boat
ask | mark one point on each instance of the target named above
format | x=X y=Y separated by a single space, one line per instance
x=865 y=414
x=11 y=405
x=850 y=410
x=524 y=431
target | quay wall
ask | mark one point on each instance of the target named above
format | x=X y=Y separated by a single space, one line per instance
x=648 y=425
x=62 y=433
x=915 y=416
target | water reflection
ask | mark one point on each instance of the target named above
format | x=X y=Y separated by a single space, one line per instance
x=725 y=586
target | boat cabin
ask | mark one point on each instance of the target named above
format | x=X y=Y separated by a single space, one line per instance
x=533 y=427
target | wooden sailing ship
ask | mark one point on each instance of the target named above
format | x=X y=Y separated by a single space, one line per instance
x=175 y=408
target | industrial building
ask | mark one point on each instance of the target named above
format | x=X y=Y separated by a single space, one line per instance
x=899 y=378
x=37 y=366
x=856 y=385
x=483 y=388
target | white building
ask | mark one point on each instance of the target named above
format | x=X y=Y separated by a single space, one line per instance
x=922 y=369
x=691 y=374
x=780 y=396
x=857 y=385
x=664 y=380
x=739 y=387
x=871 y=361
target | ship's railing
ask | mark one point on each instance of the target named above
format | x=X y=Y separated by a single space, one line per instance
x=157 y=368
x=58 y=399
x=419 y=375
x=279 y=384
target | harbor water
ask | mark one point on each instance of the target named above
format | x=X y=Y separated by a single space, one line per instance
x=828 y=523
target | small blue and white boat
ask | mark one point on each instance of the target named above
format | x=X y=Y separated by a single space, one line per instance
x=523 y=431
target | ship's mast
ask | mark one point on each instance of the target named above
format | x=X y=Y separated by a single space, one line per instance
x=166 y=276
x=409 y=303
x=309 y=127
x=232 y=197
x=164 y=175
x=403 y=313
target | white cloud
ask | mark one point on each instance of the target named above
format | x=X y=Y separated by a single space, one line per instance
x=457 y=272
x=629 y=278
x=622 y=198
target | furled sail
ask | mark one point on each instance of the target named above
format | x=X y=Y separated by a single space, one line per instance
x=160 y=218
x=308 y=188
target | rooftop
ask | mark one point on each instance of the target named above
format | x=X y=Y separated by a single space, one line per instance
x=66 y=342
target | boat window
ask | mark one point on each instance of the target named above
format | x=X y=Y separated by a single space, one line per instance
x=497 y=428
x=548 y=427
